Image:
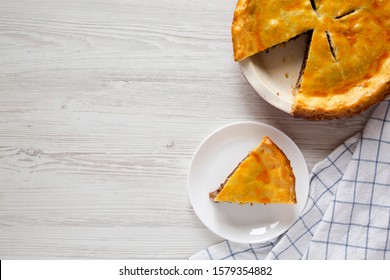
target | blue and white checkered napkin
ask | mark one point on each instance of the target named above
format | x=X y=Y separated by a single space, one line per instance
x=347 y=215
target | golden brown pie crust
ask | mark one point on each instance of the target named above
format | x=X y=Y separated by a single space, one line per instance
x=264 y=176
x=259 y=25
x=348 y=63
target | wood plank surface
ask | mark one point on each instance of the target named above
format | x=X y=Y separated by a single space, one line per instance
x=102 y=105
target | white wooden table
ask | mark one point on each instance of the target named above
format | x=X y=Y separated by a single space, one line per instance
x=102 y=105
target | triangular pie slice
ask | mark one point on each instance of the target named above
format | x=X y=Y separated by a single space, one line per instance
x=347 y=65
x=264 y=176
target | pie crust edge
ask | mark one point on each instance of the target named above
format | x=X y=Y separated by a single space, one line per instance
x=358 y=99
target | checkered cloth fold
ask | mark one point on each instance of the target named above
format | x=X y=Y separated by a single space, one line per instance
x=347 y=215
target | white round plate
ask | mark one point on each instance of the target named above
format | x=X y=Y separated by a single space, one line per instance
x=274 y=73
x=214 y=160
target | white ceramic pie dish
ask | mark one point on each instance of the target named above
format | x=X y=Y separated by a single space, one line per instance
x=216 y=157
x=274 y=73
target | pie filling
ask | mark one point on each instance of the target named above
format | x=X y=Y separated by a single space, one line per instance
x=308 y=41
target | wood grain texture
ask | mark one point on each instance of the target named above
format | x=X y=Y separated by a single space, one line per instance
x=102 y=105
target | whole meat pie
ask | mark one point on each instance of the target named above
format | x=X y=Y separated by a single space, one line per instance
x=346 y=67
